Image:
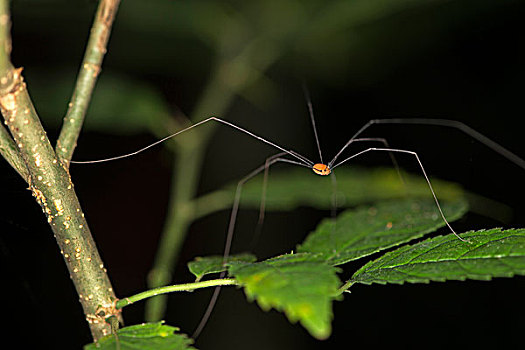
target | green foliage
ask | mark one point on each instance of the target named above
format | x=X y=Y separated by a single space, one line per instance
x=146 y=336
x=202 y=266
x=303 y=285
x=258 y=34
x=296 y=284
x=136 y=108
x=487 y=254
x=366 y=230
x=293 y=188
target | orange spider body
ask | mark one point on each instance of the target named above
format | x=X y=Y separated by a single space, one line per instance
x=321 y=169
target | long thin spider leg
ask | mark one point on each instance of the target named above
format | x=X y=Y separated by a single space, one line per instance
x=422 y=169
x=334 y=209
x=349 y=142
x=312 y=119
x=260 y=220
x=496 y=147
x=290 y=152
x=262 y=208
x=229 y=237
x=391 y=154
x=305 y=160
x=334 y=190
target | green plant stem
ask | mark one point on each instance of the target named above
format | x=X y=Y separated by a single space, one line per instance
x=7 y=147
x=5 y=38
x=51 y=185
x=10 y=153
x=211 y=203
x=230 y=77
x=87 y=77
x=345 y=287
x=176 y=225
x=189 y=154
x=187 y=287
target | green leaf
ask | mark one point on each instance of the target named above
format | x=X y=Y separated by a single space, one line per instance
x=366 y=230
x=137 y=105
x=202 y=266
x=297 y=187
x=120 y=104
x=487 y=254
x=290 y=189
x=146 y=336
x=298 y=284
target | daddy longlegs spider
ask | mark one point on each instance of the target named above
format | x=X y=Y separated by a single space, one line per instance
x=321 y=168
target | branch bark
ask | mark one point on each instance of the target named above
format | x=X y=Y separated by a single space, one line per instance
x=10 y=153
x=7 y=146
x=87 y=77
x=50 y=183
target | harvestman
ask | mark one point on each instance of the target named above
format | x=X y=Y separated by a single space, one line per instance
x=322 y=168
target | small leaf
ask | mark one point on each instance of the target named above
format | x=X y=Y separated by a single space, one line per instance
x=293 y=188
x=366 y=230
x=298 y=284
x=487 y=254
x=146 y=336
x=202 y=266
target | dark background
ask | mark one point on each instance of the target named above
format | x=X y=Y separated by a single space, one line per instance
x=460 y=60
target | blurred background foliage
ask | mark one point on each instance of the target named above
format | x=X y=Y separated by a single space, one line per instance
x=245 y=61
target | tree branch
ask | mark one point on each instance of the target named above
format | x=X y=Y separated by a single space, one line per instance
x=7 y=146
x=87 y=77
x=5 y=38
x=10 y=153
x=51 y=185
